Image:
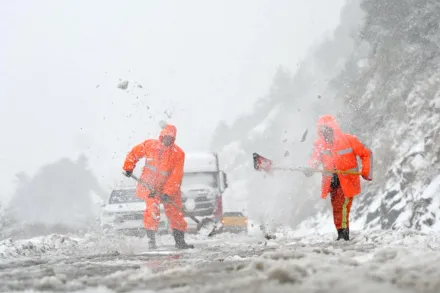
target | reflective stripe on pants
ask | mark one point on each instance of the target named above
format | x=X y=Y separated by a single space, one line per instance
x=341 y=208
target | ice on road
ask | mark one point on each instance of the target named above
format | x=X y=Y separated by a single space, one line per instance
x=379 y=261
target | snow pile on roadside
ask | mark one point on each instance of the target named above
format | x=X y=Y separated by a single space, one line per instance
x=392 y=261
x=398 y=261
x=312 y=270
x=63 y=245
x=37 y=246
x=111 y=244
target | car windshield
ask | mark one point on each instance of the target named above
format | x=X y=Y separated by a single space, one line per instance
x=200 y=178
x=233 y=214
x=124 y=196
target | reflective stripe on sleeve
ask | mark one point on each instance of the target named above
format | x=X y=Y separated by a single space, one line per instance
x=344 y=151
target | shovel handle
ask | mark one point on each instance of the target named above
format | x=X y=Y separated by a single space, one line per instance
x=346 y=172
x=172 y=202
x=264 y=164
x=180 y=210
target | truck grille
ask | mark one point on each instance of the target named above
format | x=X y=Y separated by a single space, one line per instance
x=132 y=217
x=202 y=198
x=205 y=205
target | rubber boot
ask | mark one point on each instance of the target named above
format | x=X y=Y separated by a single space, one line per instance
x=343 y=234
x=151 y=239
x=340 y=234
x=179 y=237
x=346 y=234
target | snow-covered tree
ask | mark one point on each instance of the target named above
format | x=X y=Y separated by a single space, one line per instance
x=59 y=195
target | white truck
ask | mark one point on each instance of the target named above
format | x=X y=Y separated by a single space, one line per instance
x=202 y=188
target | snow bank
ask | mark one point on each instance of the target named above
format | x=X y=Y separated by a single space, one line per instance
x=92 y=244
x=62 y=245
x=398 y=261
x=37 y=246
x=391 y=261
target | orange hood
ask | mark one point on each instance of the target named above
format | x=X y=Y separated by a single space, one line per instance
x=170 y=130
x=329 y=121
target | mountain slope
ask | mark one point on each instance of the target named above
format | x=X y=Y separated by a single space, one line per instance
x=276 y=127
x=394 y=105
x=386 y=93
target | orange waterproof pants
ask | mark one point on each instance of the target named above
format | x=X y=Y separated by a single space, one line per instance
x=152 y=214
x=341 y=208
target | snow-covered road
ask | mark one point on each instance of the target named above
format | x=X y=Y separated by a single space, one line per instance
x=380 y=261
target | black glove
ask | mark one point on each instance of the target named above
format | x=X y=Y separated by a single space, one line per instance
x=165 y=198
x=127 y=173
x=152 y=194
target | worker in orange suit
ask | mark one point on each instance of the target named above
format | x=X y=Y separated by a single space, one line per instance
x=337 y=150
x=163 y=172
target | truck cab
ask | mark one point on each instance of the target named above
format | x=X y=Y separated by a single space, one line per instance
x=202 y=188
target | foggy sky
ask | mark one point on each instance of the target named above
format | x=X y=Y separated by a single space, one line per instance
x=204 y=61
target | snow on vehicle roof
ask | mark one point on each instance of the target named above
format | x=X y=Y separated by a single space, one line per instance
x=200 y=162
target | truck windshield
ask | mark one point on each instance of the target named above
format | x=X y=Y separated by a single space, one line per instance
x=200 y=178
x=124 y=196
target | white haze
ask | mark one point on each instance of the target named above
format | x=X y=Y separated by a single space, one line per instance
x=197 y=63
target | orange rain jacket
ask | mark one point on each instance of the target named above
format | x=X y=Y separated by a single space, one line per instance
x=163 y=168
x=341 y=155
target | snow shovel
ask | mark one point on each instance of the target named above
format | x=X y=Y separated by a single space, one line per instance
x=199 y=223
x=264 y=164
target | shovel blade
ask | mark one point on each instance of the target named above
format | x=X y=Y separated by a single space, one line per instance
x=205 y=225
x=261 y=163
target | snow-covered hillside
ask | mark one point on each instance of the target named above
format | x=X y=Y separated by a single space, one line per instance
x=275 y=130
x=393 y=105
x=387 y=93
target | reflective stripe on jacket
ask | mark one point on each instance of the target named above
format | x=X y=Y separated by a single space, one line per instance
x=163 y=169
x=341 y=155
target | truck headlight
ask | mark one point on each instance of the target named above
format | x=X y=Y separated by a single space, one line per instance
x=190 y=204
